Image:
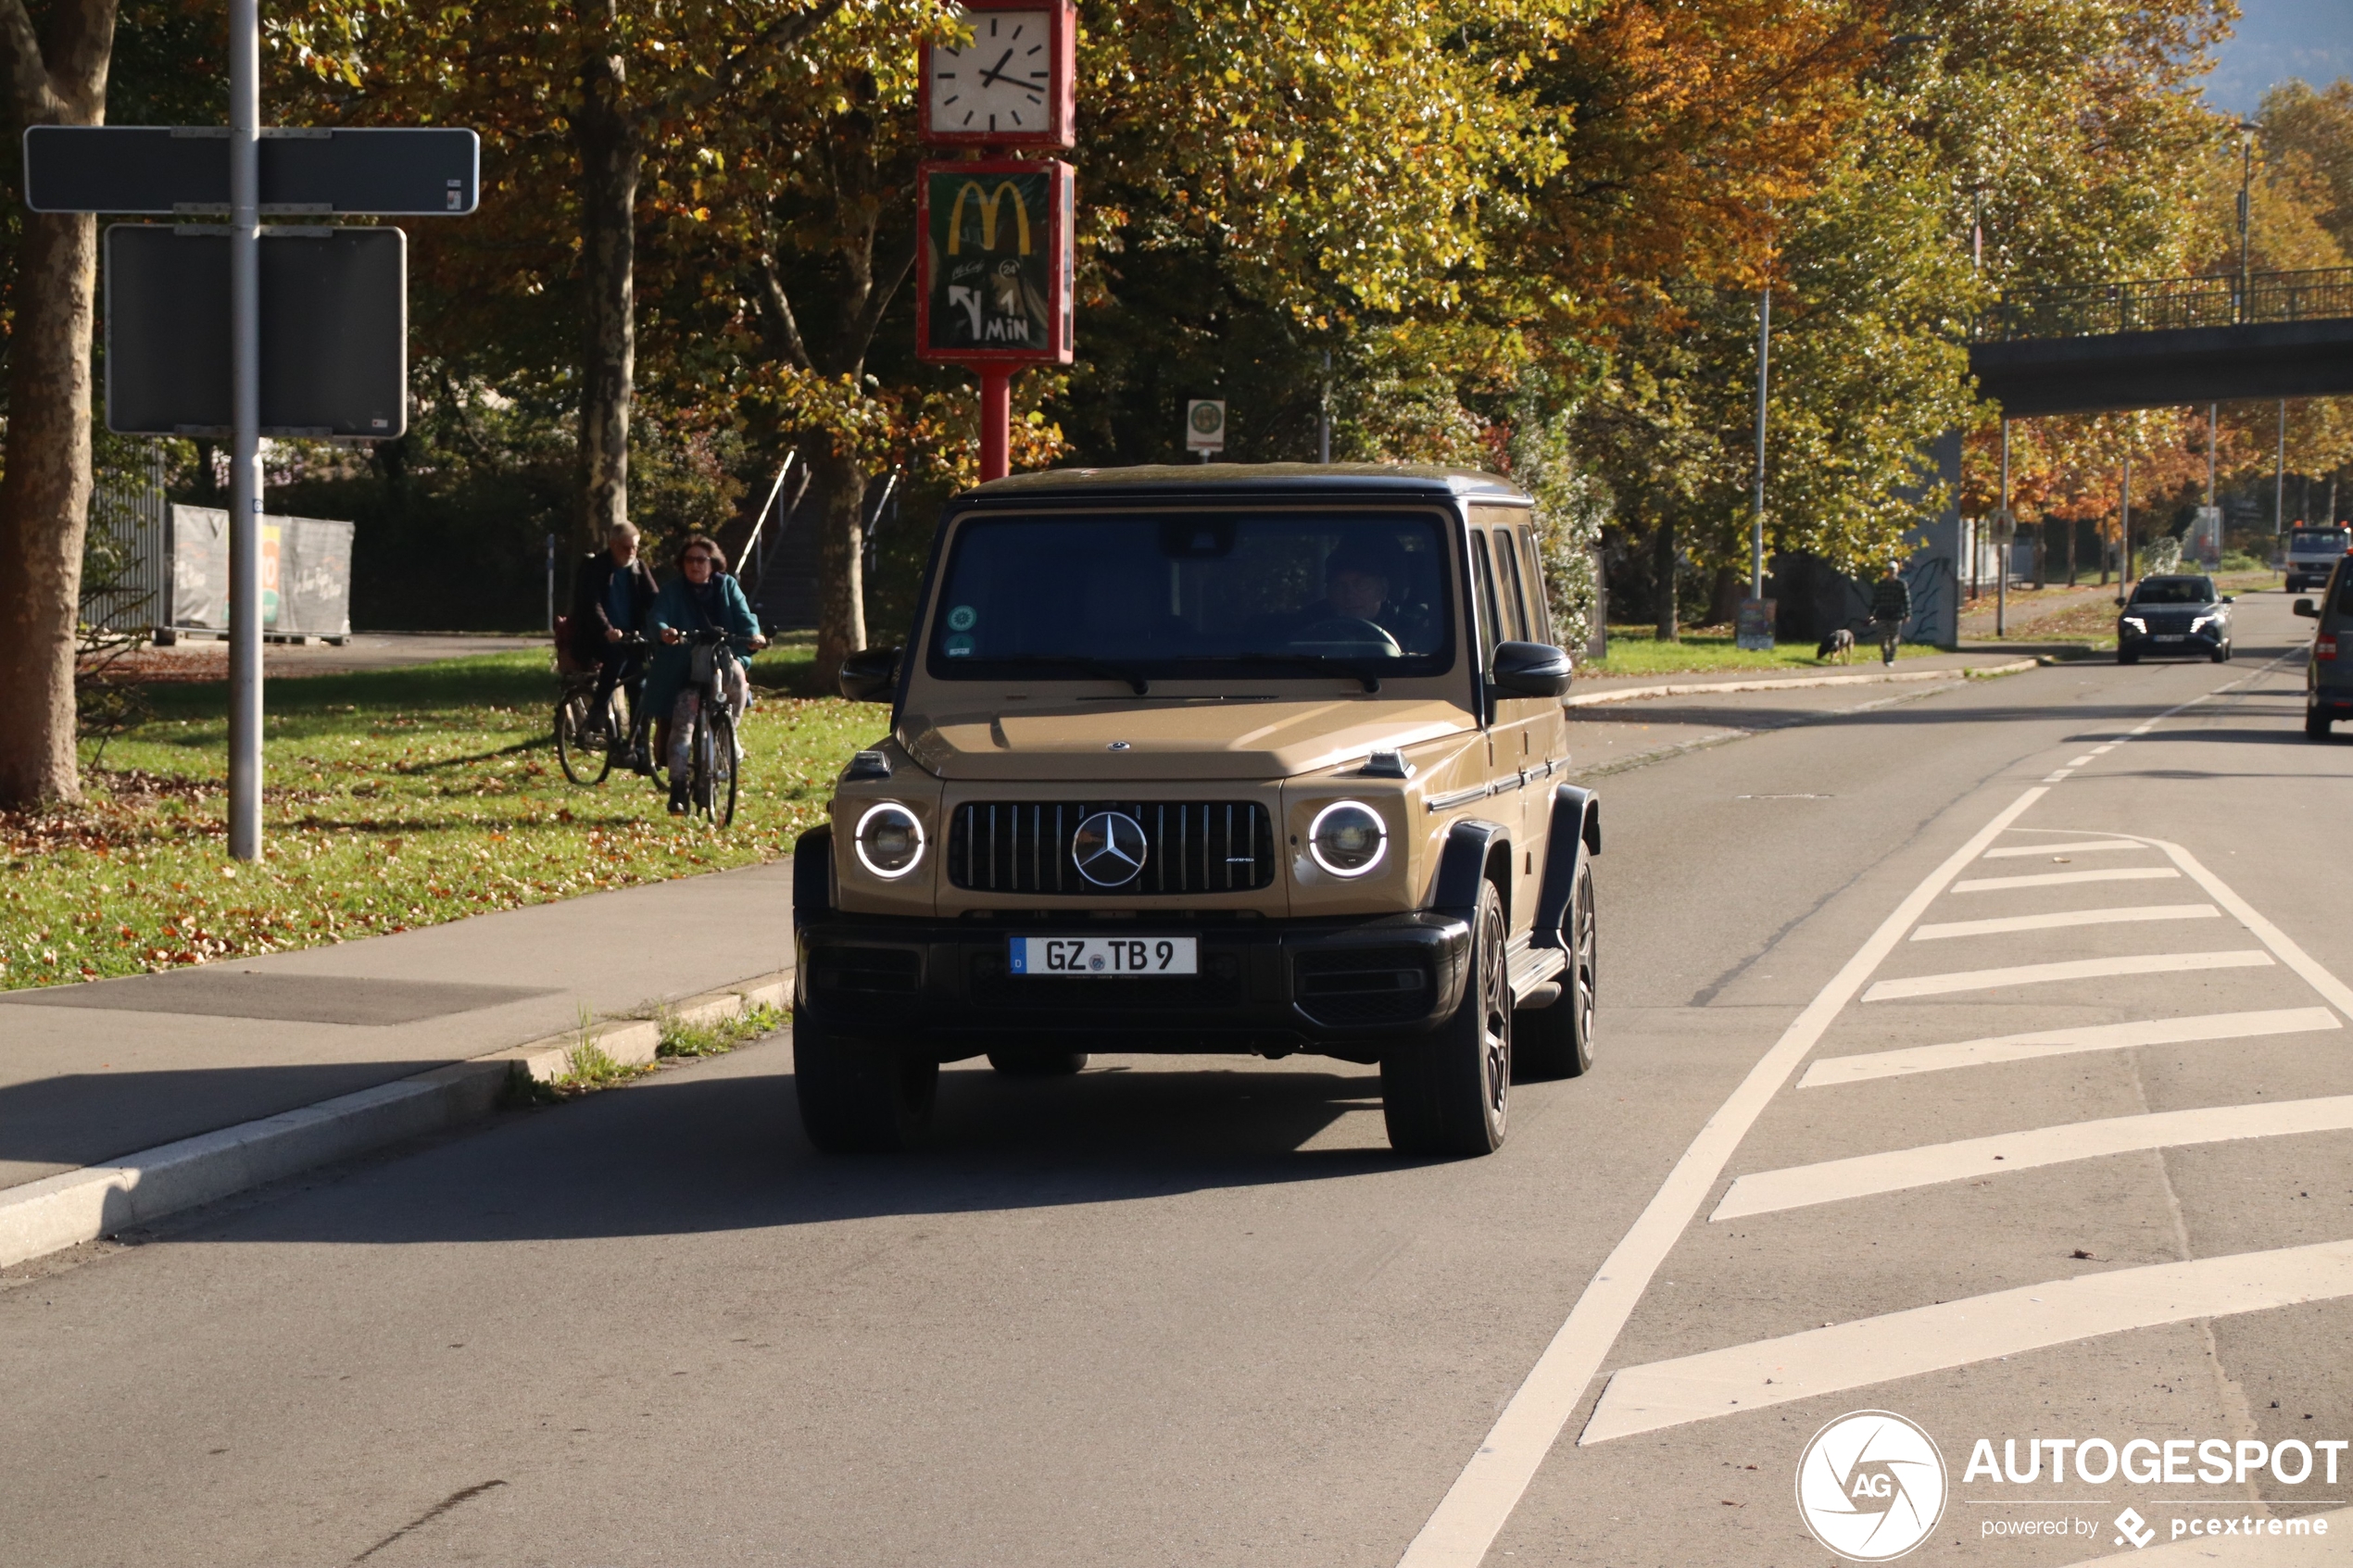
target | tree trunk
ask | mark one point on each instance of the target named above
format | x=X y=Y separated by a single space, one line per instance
x=1663 y=578
x=611 y=153
x=840 y=485
x=57 y=76
x=44 y=506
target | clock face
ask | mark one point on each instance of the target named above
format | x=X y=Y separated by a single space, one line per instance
x=1002 y=84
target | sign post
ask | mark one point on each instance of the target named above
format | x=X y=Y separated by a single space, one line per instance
x=1205 y=426
x=164 y=369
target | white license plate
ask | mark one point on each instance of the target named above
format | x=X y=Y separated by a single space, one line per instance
x=1103 y=956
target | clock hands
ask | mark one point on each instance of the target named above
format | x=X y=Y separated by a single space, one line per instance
x=996 y=72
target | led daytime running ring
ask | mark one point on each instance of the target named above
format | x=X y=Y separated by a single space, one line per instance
x=1315 y=832
x=914 y=825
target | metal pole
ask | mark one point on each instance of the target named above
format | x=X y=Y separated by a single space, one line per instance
x=2124 y=572
x=995 y=420
x=244 y=452
x=1324 y=415
x=2213 y=413
x=2246 y=186
x=1756 y=510
x=2279 y=475
x=551 y=584
x=2001 y=536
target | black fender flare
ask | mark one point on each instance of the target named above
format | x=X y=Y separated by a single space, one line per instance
x=813 y=875
x=1575 y=833
x=1471 y=847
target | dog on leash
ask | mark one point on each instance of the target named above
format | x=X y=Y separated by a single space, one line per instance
x=1838 y=646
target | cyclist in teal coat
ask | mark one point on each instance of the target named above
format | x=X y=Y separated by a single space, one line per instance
x=701 y=597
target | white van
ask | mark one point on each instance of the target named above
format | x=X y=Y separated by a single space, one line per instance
x=2313 y=552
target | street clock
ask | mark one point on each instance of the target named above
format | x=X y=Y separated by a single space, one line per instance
x=1012 y=86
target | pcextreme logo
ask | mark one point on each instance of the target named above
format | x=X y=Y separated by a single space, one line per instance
x=1871 y=1485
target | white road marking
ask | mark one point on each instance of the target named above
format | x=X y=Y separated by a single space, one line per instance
x=1951 y=1334
x=2078 y=846
x=2248 y=1551
x=1834 y=1181
x=2072 y=969
x=2126 y=914
x=1834 y=1070
x=2058 y=777
x=1489 y=1487
x=2310 y=968
x=2061 y=879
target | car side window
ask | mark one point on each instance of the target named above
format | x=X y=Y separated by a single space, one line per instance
x=2343 y=591
x=1483 y=592
x=1539 y=617
x=1514 y=588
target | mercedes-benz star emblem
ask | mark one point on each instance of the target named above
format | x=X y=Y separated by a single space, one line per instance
x=1109 y=847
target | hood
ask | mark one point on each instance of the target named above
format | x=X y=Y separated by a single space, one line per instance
x=1180 y=738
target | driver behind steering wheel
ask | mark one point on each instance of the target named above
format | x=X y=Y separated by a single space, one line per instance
x=1356 y=587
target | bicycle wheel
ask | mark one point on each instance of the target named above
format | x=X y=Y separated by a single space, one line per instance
x=582 y=765
x=722 y=807
x=699 y=765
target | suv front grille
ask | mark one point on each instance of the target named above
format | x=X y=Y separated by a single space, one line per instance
x=1191 y=847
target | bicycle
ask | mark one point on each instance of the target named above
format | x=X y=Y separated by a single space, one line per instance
x=586 y=741
x=711 y=745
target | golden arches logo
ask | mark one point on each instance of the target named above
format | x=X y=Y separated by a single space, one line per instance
x=988 y=201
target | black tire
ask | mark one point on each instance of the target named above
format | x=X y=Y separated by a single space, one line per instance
x=1449 y=1093
x=2316 y=723
x=582 y=765
x=1038 y=1062
x=715 y=796
x=1557 y=1041
x=2223 y=654
x=861 y=1097
x=2123 y=657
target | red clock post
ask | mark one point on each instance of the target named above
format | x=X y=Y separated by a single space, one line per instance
x=993 y=267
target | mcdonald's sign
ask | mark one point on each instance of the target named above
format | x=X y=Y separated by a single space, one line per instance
x=993 y=281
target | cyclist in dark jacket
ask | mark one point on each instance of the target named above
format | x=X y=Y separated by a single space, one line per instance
x=1890 y=607
x=611 y=592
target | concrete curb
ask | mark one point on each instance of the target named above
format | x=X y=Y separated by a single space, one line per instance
x=1702 y=688
x=77 y=1205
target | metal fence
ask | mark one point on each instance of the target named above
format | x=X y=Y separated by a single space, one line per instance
x=127 y=574
x=2164 y=304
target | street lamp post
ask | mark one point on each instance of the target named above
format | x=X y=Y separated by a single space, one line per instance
x=2247 y=129
x=1756 y=509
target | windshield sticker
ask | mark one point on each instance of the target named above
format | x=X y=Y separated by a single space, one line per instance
x=958 y=646
x=963 y=618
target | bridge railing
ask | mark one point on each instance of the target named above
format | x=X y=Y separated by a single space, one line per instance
x=2164 y=304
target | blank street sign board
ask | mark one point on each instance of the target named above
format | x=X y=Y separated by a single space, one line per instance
x=170 y=170
x=334 y=331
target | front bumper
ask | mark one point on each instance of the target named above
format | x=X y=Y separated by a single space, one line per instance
x=1340 y=988
x=2203 y=642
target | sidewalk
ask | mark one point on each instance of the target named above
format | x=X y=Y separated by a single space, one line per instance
x=94 y=1073
x=1864 y=669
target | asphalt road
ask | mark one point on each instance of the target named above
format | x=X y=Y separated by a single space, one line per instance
x=1172 y=1313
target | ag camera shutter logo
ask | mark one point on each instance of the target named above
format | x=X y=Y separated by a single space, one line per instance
x=1871 y=1486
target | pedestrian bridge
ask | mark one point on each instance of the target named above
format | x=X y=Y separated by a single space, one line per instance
x=2160 y=343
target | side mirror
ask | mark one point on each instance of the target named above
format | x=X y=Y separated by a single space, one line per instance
x=870 y=675
x=2229 y=598
x=2306 y=609
x=1529 y=669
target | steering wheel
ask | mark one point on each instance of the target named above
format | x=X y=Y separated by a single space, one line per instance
x=1347 y=631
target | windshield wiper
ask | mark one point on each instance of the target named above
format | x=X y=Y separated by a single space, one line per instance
x=1319 y=664
x=1103 y=667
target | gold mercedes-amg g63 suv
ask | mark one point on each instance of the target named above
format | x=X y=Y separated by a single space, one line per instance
x=1227 y=758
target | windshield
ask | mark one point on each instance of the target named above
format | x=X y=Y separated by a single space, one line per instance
x=2174 y=591
x=2318 y=539
x=1136 y=596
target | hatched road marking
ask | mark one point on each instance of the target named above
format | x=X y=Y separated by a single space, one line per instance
x=1834 y=1070
x=2061 y=879
x=2124 y=915
x=1951 y=1334
x=2080 y=847
x=1834 y=1181
x=2073 y=969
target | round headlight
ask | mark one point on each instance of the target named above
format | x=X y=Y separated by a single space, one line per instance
x=1347 y=838
x=889 y=840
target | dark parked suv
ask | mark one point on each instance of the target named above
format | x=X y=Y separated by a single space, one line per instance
x=2328 y=678
x=2175 y=615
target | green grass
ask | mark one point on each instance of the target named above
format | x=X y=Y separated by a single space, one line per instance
x=1636 y=650
x=681 y=1039
x=394 y=798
